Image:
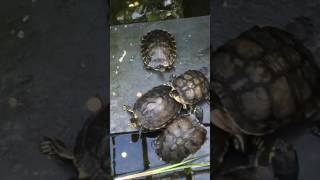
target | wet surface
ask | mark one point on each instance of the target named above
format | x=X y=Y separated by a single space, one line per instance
x=233 y=17
x=129 y=80
x=53 y=59
x=127 y=74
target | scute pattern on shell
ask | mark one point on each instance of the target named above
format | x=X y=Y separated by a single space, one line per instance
x=184 y=136
x=192 y=86
x=156 y=108
x=264 y=78
x=158 y=50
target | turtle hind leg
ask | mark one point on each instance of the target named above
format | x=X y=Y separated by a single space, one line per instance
x=54 y=147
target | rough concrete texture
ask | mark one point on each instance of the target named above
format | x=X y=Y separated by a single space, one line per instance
x=52 y=60
x=229 y=18
x=128 y=76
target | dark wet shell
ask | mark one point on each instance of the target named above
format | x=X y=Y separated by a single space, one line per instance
x=91 y=148
x=192 y=86
x=264 y=78
x=158 y=50
x=156 y=108
x=184 y=136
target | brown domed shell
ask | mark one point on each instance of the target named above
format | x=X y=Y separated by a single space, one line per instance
x=156 y=108
x=263 y=79
x=184 y=136
x=158 y=50
x=192 y=87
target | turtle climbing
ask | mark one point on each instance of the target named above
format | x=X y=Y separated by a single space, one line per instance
x=262 y=80
x=154 y=109
x=158 y=50
x=184 y=136
x=90 y=153
x=190 y=88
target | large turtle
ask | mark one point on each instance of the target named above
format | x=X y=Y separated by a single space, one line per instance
x=154 y=109
x=90 y=154
x=183 y=136
x=262 y=80
x=158 y=50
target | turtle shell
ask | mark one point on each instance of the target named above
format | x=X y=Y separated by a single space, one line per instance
x=184 y=136
x=158 y=50
x=154 y=109
x=192 y=87
x=263 y=79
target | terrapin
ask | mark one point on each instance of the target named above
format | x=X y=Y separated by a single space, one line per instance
x=190 y=88
x=154 y=109
x=158 y=50
x=184 y=136
x=262 y=80
x=89 y=155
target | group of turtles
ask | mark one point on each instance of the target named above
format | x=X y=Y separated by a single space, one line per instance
x=172 y=108
x=261 y=81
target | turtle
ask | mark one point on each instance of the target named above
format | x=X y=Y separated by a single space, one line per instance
x=90 y=153
x=276 y=161
x=158 y=50
x=183 y=136
x=261 y=81
x=154 y=109
x=190 y=88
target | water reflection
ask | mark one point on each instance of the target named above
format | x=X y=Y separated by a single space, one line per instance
x=141 y=156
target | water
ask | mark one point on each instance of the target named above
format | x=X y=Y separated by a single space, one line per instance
x=131 y=154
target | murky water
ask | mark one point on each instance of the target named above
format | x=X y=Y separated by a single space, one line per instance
x=131 y=154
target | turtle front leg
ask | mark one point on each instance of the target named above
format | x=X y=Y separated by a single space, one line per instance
x=127 y=108
x=54 y=147
x=133 y=121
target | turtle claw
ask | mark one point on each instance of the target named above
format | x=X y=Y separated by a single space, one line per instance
x=47 y=147
x=54 y=147
x=127 y=108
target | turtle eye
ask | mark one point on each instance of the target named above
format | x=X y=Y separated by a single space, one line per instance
x=174 y=93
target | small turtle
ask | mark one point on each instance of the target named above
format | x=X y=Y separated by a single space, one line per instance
x=277 y=161
x=184 y=136
x=158 y=50
x=190 y=88
x=154 y=109
x=90 y=154
x=262 y=80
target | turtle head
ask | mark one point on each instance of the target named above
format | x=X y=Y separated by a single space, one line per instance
x=159 y=60
x=175 y=95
